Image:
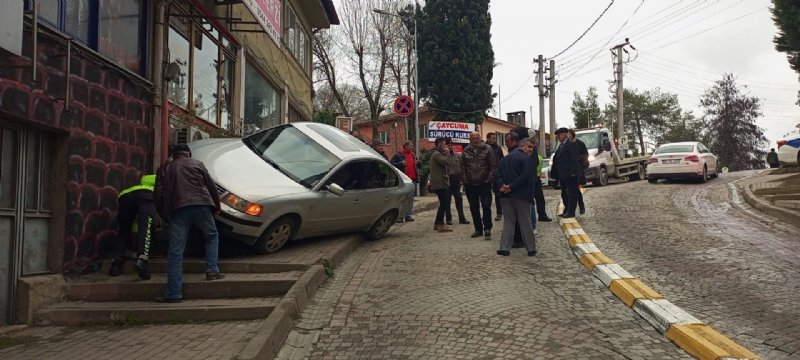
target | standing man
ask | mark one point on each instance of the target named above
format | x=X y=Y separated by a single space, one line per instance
x=440 y=182
x=456 y=179
x=515 y=180
x=491 y=140
x=378 y=146
x=186 y=197
x=772 y=159
x=135 y=202
x=583 y=160
x=407 y=162
x=566 y=169
x=480 y=165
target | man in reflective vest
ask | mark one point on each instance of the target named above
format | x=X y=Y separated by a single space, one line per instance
x=135 y=201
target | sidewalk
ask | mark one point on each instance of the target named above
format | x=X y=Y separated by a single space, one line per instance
x=775 y=193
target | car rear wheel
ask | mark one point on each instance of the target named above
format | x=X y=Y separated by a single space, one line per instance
x=277 y=234
x=704 y=177
x=381 y=226
x=716 y=172
x=602 y=178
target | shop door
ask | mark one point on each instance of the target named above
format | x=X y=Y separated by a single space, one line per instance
x=25 y=211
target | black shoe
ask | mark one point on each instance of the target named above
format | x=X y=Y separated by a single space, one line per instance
x=503 y=253
x=532 y=253
x=169 y=300
x=545 y=219
x=464 y=222
x=409 y=219
x=567 y=216
x=400 y=221
x=142 y=269
x=116 y=267
x=476 y=234
x=214 y=276
x=487 y=234
x=449 y=222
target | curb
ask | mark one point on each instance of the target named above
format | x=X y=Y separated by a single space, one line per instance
x=687 y=332
x=274 y=330
x=765 y=207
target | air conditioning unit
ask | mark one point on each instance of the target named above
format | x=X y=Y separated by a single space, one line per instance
x=189 y=134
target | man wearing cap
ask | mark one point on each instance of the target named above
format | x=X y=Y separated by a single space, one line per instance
x=186 y=197
x=566 y=169
x=377 y=145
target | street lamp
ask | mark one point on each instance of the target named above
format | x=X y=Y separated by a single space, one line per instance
x=416 y=77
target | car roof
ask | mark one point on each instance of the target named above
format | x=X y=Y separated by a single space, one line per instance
x=681 y=143
x=338 y=142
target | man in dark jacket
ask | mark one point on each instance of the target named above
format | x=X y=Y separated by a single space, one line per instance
x=440 y=182
x=491 y=140
x=515 y=179
x=456 y=179
x=378 y=146
x=186 y=197
x=772 y=159
x=583 y=160
x=566 y=169
x=135 y=202
x=407 y=162
x=480 y=163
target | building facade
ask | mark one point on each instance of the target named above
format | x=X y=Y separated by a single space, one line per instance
x=97 y=92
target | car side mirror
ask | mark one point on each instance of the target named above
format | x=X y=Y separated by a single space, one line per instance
x=335 y=189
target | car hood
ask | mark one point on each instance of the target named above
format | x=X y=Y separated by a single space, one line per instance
x=239 y=170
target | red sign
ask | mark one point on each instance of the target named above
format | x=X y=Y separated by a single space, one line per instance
x=403 y=105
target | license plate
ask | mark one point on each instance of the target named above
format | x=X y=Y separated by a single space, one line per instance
x=671 y=161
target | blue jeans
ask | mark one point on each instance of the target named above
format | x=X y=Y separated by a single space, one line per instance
x=179 y=224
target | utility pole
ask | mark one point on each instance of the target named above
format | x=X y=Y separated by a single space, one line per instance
x=540 y=81
x=619 y=131
x=552 y=91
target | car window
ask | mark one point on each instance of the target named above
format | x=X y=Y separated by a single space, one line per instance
x=591 y=139
x=703 y=149
x=365 y=175
x=293 y=153
x=349 y=176
x=379 y=175
x=674 y=149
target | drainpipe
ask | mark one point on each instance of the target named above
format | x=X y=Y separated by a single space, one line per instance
x=161 y=105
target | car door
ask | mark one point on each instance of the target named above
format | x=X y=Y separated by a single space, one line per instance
x=332 y=213
x=381 y=191
x=709 y=158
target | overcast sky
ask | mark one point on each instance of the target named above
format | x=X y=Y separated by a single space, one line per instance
x=684 y=46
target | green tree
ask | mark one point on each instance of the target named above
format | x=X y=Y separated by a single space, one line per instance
x=586 y=112
x=731 y=115
x=786 y=14
x=456 y=58
x=685 y=128
x=647 y=115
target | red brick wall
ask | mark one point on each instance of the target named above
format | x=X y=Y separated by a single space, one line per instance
x=110 y=136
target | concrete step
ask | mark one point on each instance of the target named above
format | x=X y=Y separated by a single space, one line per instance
x=101 y=287
x=781 y=189
x=195 y=265
x=140 y=312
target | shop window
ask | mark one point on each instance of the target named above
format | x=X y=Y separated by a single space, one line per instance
x=384 y=136
x=501 y=138
x=205 y=61
x=114 y=28
x=261 y=102
x=296 y=39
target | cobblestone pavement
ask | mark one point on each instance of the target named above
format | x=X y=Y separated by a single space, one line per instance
x=737 y=272
x=419 y=294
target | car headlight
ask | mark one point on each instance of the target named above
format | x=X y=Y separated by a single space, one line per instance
x=242 y=205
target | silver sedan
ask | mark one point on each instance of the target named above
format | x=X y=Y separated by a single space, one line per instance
x=301 y=180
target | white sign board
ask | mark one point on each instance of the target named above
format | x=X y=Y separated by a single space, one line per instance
x=11 y=27
x=458 y=131
x=268 y=14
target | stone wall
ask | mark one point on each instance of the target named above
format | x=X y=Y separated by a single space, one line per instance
x=110 y=134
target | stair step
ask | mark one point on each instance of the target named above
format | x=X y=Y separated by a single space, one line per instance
x=242 y=265
x=101 y=287
x=141 y=312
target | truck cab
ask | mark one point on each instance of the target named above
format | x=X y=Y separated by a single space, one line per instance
x=605 y=160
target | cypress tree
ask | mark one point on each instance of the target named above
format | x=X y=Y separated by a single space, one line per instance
x=456 y=58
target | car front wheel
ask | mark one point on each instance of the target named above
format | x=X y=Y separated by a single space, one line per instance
x=381 y=226
x=277 y=234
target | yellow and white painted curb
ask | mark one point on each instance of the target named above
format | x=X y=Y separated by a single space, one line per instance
x=686 y=331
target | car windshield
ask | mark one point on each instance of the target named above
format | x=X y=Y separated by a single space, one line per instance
x=674 y=149
x=591 y=139
x=293 y=153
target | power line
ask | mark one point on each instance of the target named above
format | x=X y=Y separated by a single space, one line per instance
x=518 y=89
x=587 y=30
x=709 y=29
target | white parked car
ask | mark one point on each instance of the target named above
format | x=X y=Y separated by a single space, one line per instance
x=680 y=161
x=789 y=149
